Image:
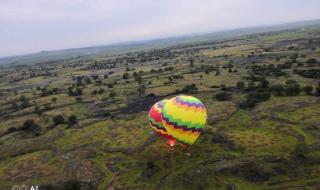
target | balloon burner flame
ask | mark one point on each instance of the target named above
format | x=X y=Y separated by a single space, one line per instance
x=171 y=143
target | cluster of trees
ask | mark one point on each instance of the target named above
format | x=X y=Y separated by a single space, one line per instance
x=47 y=91
x=270 y=69
x=160 y=70
x=190 y=88
x=29 y=126
x=262 y=91
x=59 y=119
x=74 y=91
x=292 y=88
x=222 y=96
x=255 y=97
x=308 y=73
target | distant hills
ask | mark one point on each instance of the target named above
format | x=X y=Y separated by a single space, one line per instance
x=48 y=56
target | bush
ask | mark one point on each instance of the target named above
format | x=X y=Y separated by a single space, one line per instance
x=125 y=76
x=240 y=85
x=112 y=94
x=312 y=61
x=72 y=185
x=264 y=83
x=191 y=88
x=318 y=90
x=30 y=125
x=141 y=90
x=94 y=92
x=222 y=96
x=278 y=89
x=299 y=151
x=59 y=119
x=72 y=120
x=307 y=89
x=12 y=129
x=251 y=86
x=101 y=90
x=292 y=88
x=255 y=97
x=223 y=87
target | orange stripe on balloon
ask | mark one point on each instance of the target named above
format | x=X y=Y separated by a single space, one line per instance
x=182 y=132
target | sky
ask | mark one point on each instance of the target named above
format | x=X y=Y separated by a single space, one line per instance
x=28 y=26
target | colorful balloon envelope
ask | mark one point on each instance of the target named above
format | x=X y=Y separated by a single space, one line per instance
x=184 y=118
x=155 y=119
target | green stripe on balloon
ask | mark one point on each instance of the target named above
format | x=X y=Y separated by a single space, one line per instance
x=183 y=123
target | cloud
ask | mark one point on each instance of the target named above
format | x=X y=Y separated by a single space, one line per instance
x=34 y=25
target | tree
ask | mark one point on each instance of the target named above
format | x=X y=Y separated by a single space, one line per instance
x=78 y=92
x=125 y=76
x=223 y=87
x=72 y=185
x=30 y=125
x=240 y=85
x=278 y=89
x=264 y=83
x=318 y=90
x=217 y=72
x=222 y=96
x=94 y=92
x=54 y=99
x=141 y=90
x=112 y=94
x=190 y=88
x=24 y=100
x=191 y=62
x=255 y=97
x=101 y=91
x=308 y=89
x=72 y=120
x=59 y=119
x=38 y=110
x=312 y=61
x=292 y=88
x=87 y=80
x=70 y=91
x=251 y=86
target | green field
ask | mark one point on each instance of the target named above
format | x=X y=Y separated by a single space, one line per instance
x=82 y=123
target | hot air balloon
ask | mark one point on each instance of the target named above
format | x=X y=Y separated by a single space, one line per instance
x=184 y=117
x=155 y=120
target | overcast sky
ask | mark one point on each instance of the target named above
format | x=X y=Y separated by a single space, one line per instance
x=28 y=26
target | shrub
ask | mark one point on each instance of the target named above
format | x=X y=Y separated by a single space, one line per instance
x=30 y=125
x=307 y=89
x=240 y=85
x=255 y=97
x=72 y=120
x=101 y=90
x=251 y=86
x=312 y=61
x=278 y=89
x=223 y=87
x=292 y=88
x=125 y=76
x=264 y=83
x=12 y=129
x=141 y=90
x=72 y=185
x=222 y=96
x=191 y=88
x=59 y=119
x=112 y=94
x=318 y=90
